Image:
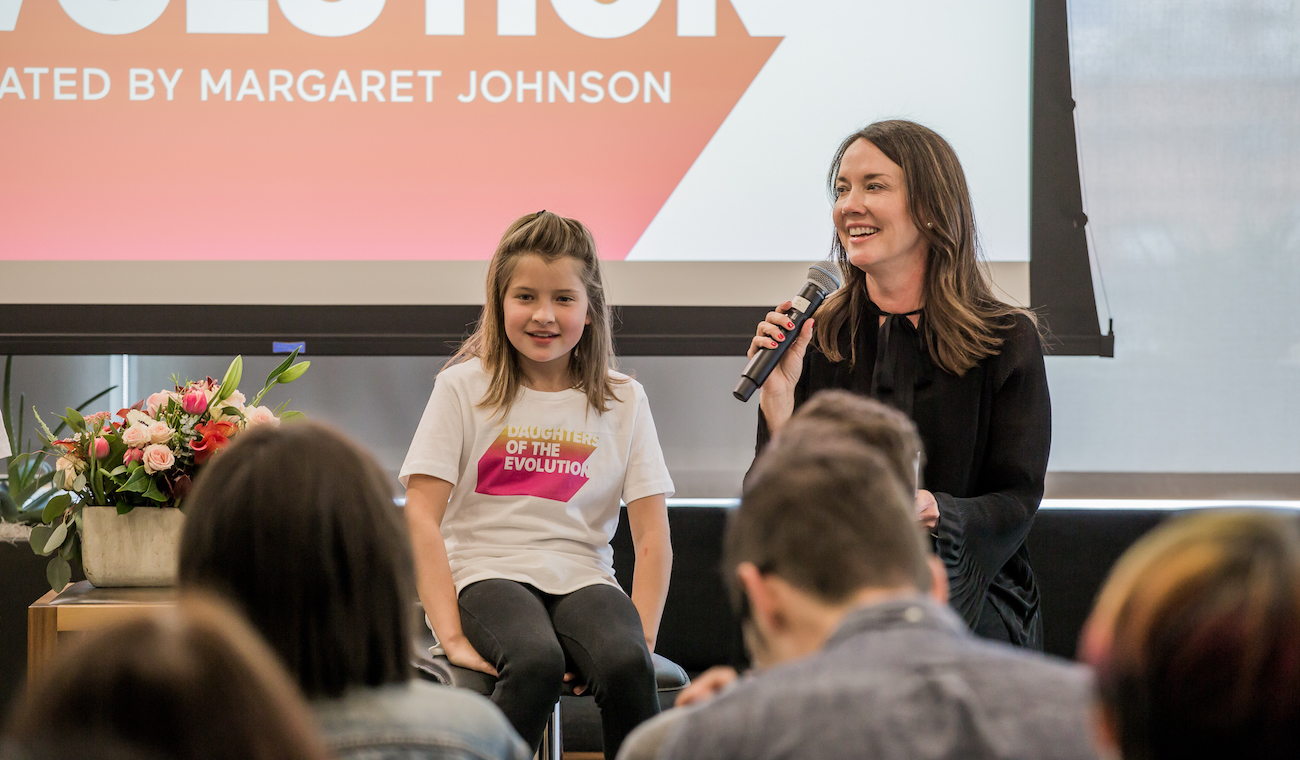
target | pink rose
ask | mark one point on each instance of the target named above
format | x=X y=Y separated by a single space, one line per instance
x=195 y=401
x=260 y=415
x=157 y=458
x=137 y=436
x=160 y=433
x=101 y=448
x=157 y=401
x=132 y=455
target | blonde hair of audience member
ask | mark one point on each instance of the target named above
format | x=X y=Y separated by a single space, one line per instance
x=296 y=526
x=189 y=682
x=1195 y=639
x=550 y=237
x=823 y=528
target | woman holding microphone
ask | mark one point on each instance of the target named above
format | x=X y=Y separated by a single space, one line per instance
x=916 y=326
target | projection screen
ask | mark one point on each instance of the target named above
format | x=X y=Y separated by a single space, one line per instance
x=371 y=152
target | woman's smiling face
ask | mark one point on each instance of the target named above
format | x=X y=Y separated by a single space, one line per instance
x=871 y=213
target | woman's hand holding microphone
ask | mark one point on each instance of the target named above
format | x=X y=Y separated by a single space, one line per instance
x=776 y=397
x=777 y=394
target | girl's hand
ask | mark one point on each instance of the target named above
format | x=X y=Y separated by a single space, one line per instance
x=578 y=688
x=927 y=509
x=777 y=393
x=461 y=652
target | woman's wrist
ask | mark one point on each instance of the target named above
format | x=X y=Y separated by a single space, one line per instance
x=777 y=410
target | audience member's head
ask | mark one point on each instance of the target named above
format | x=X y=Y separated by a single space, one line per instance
x=838 y=413
x=190 y=682
x=1196 y=641
x=825 y=524
x=297 y=526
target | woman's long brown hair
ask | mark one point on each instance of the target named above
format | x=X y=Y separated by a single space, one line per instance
x=963 y=320
x=551 y=237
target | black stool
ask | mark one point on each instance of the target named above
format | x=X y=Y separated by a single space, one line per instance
x=669 y=679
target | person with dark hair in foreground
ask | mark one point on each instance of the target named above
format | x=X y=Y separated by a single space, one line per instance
x=296 y=526
x=190 y=682
x=837 y=413
x=1196 y=641
x=846 y=618
x=829 y=414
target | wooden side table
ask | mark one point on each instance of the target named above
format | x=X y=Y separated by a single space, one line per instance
x=82 y=607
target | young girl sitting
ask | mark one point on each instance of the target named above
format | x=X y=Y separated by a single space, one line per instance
x=513 y=484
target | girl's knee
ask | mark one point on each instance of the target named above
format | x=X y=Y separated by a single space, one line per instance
x=542 y=663
x=627 y=663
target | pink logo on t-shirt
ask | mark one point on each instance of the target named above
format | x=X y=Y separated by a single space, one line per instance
x=535 y=461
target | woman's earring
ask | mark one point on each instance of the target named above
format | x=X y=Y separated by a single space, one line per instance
x=929 y=225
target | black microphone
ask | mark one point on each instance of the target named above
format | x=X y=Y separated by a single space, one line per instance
x=823 y=279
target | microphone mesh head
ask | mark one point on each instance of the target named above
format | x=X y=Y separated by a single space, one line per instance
x=826 y=276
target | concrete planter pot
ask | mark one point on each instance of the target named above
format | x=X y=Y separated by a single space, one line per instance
x=139 y=548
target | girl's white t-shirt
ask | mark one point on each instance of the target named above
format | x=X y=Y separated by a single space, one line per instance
x=535 y=495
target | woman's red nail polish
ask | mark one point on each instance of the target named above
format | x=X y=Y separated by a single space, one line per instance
x=789 y=325
x=774 y=345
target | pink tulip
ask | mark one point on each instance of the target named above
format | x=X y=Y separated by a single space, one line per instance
x=194 y=402
x=101 y=448
x=132 y=455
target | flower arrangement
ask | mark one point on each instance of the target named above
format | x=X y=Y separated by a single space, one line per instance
x=25 y=481
x=147 y=455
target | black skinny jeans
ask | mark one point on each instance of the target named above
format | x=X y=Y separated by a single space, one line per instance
x=533 y=638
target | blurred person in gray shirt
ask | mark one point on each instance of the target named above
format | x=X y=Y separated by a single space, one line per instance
x=857 y=653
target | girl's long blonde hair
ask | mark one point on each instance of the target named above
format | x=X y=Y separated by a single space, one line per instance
x=551 y=237
x=963 y=320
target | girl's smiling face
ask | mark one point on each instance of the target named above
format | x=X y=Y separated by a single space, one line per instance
x=544 y=314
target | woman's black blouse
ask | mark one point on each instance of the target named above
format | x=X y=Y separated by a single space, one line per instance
x=986 y=436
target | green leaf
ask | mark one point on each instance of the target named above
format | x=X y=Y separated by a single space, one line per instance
x=50 y=437
x=40 y=536
x=119 y=470
x=153 y=493
x=83 y=405
x=293 y=373
x=15 y=435
x=58 y=573
x=97 y=482
x=270 y=379
x=137 y=483
x=8 y=507
x=96 y=397
x=230 y=383
x=56 y=506
x=69 y=548
x=124 y=508
x=74 y=418
x=291 y=416
x=56 y=539
x=4 y=397
x=31 y=510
